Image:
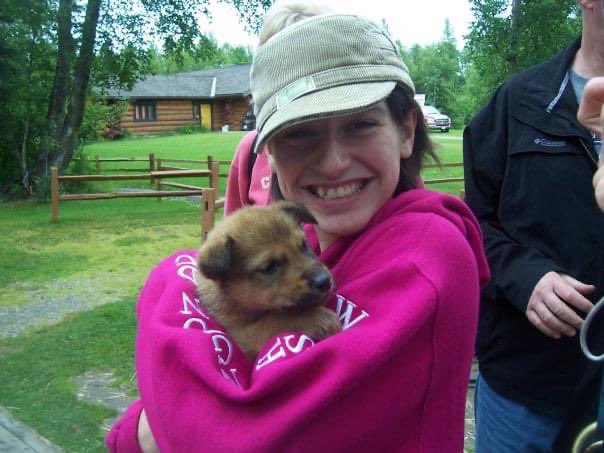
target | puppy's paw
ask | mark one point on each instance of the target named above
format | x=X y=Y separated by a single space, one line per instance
x=325 y=323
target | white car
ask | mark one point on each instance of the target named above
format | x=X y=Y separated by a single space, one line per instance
x=436 y=120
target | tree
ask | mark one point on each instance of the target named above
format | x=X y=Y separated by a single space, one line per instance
x=206 y=54
x=26 y=53
x=106 y=42
x=507 y=37
x=436 y=70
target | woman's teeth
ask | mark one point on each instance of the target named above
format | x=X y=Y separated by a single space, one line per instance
x=331 y=193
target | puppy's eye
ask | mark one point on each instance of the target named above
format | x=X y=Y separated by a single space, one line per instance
x=304 y=247
x=269 y=267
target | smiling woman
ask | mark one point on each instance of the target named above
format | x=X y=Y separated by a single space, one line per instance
x=343 y=168
x=345 y=138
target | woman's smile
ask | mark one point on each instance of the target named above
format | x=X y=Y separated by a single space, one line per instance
x=337 y=191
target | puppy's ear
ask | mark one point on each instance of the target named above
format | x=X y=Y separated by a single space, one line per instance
x=298 y=212
x=215 y=258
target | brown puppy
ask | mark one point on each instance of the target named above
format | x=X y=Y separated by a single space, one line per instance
x=258 y=278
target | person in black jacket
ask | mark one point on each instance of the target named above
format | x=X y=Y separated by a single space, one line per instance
x=528 y=167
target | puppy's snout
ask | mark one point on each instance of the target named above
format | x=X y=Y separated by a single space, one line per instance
x=321 y=281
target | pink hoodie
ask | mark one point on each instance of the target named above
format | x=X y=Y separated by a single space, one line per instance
x=240 y=190
x=395 y=379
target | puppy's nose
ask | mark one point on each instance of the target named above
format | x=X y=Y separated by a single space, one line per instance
x=321 y=281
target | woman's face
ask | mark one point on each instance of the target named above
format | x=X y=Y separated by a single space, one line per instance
x=343 y=169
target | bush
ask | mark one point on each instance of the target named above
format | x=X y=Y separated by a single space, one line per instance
x=79 y=165
x=42 y=186
x=192 y=129
x=102 y=120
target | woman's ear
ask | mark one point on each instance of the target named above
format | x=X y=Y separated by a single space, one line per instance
x=408 y=132
x=271 y=159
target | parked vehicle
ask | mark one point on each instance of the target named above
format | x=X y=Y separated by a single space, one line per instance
x=436 y=120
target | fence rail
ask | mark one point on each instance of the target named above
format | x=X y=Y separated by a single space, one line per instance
x=209 y=201
x=153 y=163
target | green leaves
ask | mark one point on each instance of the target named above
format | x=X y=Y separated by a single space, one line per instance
x=46 y=44
x=505 y=40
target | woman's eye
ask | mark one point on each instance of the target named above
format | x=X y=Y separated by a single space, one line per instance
x=362 y=125
x=299 y=135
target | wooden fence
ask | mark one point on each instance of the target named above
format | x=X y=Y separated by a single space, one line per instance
x=163 y=168
x=209 y=201
x=448 y=179
x=159 y=164
x=151 y=162
x=154 y=164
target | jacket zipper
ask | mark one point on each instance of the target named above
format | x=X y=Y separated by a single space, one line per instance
x=588 y=151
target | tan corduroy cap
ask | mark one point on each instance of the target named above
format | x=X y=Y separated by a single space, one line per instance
x=323 y=66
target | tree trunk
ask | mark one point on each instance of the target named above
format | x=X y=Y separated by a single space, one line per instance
x=56 y=107
x=512 y=55
x=21 y=154
x=81 y=79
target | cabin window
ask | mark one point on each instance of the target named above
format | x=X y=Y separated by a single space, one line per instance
x=196 y=110
x=145 y=111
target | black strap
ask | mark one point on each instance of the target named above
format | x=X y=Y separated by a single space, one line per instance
x=251 y=160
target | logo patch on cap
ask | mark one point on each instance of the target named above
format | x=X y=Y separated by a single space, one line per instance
x=294 y=90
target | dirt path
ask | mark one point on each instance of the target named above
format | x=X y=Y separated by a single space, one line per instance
x=51 y=303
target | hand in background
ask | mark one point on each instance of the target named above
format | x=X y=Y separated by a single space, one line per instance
x=549 y=308
x=591 y=115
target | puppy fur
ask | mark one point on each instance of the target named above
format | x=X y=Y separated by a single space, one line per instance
x=258 y=278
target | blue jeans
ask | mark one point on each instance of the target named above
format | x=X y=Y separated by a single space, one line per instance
x=503 y=426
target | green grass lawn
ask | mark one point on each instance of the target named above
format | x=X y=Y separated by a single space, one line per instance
x=99 y=251
x=193 y=146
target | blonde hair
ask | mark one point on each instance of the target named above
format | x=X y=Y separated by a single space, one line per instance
x=287 y=12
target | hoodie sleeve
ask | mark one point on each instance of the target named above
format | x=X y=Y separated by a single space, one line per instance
x=516 y=268
x=123 y=437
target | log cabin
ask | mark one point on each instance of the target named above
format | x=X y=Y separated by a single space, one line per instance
x=217 y=99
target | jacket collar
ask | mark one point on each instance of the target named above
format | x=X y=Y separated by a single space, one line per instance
x=547 y=100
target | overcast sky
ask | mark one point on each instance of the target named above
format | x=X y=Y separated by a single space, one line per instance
x=410 y=21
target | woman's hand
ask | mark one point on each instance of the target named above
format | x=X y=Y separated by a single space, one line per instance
x=145 y=437
x=591 y=115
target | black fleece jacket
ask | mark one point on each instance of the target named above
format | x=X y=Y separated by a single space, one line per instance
x=528 y=178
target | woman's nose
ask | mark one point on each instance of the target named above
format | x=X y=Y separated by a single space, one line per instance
x=333 y=157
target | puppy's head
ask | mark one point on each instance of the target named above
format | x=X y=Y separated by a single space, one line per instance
x=259 y=259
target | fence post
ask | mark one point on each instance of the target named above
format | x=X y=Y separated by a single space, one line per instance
x=54 y=194
x=98 y=164
x=208 y=210
x=151 y=165
x=210 y=162
x=214 y=176
x=157 y=179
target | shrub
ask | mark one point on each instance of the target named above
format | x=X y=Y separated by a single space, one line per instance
x=79 y=165
x=192 y=129
x=102 y=120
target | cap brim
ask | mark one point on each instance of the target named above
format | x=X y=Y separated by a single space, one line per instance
x=335 y=101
